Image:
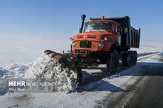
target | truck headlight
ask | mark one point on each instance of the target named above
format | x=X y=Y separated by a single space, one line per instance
x=105 y=38
x=101 y=45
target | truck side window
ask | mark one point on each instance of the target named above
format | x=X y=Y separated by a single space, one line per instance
x=126 y=29
x=113 y=27
x=118 y=29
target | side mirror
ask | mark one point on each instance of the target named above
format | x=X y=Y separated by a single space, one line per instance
x=68 y=51
x=71 y=38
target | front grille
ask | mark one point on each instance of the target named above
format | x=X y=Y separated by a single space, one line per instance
x=85 y=44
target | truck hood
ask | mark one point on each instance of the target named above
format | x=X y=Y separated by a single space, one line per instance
x=91 y=35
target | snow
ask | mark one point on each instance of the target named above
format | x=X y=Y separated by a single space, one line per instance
x=147 y=47
x=3 y=72
x=44 y=69
x=13 y=71
x=17 y=54
x=18 y=70
x=24 y=49
x=87 y=95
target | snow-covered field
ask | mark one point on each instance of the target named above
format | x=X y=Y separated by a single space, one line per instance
x=19 y=58
x=23 y=50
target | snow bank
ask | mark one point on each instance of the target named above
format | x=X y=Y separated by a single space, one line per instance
x=44 y=69
x=3 y=72
x=161 y=54
x=13 y=71
x=18 y=70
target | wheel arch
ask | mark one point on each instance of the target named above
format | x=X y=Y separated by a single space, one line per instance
x=115 y=47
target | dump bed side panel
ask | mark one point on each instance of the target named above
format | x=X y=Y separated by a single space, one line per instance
x=130 y=36
x=134 y=37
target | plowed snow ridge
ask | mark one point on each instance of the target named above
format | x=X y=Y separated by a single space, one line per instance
x=44 y=69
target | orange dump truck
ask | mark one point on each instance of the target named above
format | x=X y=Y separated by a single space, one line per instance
x=101 y=41
x=106 y=41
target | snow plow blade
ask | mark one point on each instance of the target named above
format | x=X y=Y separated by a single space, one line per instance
x=67 y=61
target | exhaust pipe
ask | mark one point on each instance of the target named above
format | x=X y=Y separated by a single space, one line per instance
x=83 y=19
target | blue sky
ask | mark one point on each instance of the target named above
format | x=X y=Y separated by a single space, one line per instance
x=61 y=18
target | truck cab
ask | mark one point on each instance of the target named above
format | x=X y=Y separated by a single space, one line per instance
x=98 y=35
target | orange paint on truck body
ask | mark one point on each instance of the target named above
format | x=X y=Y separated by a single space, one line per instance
x=95 y=41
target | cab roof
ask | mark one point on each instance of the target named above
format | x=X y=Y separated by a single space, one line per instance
x=98 y=20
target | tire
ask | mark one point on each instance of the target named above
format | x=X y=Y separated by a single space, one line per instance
x=127 y=60
x=130 y=58
x=135 y=57
x=124 y=60
x=113 y=62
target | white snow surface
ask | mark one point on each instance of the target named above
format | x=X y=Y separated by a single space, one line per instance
x=18 y=52
x=13 y=71
x=37 y=66
x=44 y=69
x=23 y=49
x=88 y=95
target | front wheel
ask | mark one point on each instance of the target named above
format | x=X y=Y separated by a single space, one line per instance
x=113 y=62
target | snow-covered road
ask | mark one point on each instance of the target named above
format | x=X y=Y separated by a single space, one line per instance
x=145 y=92
x=92 y=94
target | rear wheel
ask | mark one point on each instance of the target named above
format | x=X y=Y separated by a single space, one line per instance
x=130 y=58
x=113 y=62
x=135 y=57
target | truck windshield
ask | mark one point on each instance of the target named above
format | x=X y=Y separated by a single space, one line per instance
x=97 y=26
